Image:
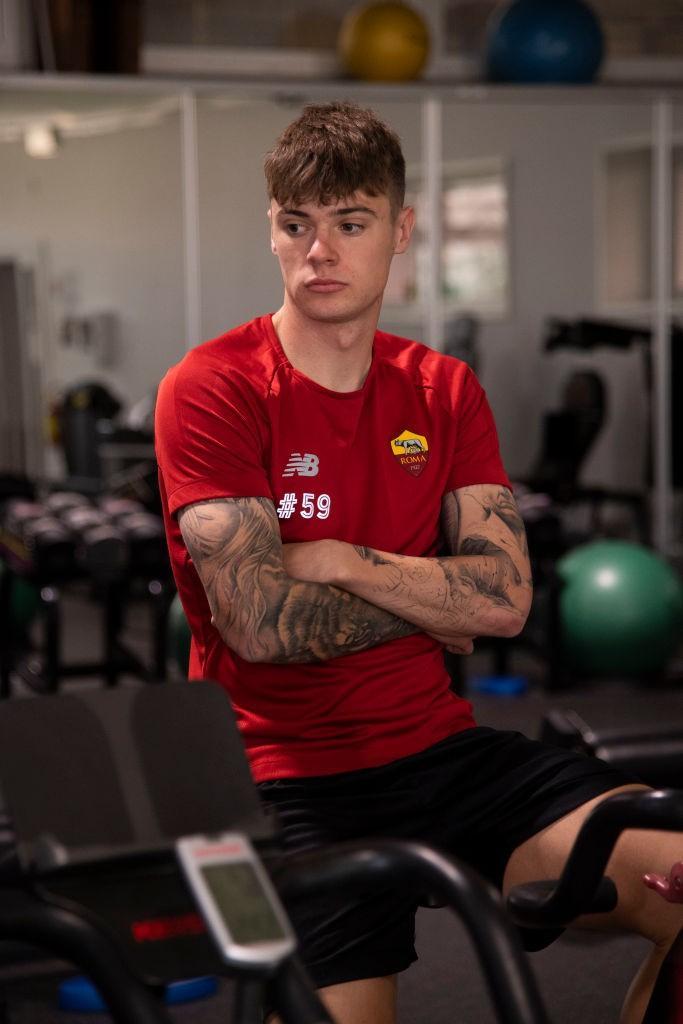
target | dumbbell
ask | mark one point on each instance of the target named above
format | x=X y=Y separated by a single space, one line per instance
x=50 y=546
x=18 y=512
x=101 y=548
x=146 y=539
x=83 y=517
x=117 y=508
x=60 y=501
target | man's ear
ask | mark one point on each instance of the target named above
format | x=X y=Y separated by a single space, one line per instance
x=404 y=229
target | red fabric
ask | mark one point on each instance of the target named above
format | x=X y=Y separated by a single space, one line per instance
x=235 y=419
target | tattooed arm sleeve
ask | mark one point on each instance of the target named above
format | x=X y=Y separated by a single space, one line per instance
x=260 y=612
x=484 y=588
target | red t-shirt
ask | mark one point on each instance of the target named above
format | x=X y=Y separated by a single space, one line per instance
x=235 y=419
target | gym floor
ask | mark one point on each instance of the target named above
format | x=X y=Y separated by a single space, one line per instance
x=582 y=976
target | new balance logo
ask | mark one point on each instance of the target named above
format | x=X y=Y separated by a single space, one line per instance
x=302 y=465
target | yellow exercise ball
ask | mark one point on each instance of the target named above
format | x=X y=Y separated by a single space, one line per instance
x=384 y=42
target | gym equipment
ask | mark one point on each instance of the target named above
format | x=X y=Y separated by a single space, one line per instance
x=117 y=547
x=550 y=906
x=386 y=42
x=237 y=900
x=587 y=335
x=537 y=41
x=648 y=742
x=146 y=540
x=179 y=635
x=621 y=609
x=60 y=501
x=82 y=408
x=115 y=507
x=671 y=888
x=94 y=876
x=79 y=995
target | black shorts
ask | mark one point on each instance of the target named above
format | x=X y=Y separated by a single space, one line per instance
x=476 y=795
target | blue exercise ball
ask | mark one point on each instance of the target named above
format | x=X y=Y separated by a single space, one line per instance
x=544 y=41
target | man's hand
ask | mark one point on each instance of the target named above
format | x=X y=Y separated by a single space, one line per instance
x=456 y=645
x=315 y=561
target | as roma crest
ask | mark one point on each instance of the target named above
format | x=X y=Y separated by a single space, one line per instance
x=411 y=450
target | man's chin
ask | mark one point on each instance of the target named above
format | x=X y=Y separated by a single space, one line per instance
x=326 y=310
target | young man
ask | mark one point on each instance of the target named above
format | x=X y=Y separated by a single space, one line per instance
x=312 y=467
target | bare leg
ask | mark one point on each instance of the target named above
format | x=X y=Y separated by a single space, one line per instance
x=368 y=1001
x=639 y=910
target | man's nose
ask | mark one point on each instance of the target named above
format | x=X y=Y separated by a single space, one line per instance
x=322 y=250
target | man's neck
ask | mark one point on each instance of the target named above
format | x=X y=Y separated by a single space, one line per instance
x=336 y=355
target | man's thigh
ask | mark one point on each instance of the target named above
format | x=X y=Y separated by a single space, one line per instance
x=636 y=853
x=344 y=936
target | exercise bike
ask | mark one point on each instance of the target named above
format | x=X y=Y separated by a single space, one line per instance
x=112 y=797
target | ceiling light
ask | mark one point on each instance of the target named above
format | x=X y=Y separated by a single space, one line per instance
x=41 y=141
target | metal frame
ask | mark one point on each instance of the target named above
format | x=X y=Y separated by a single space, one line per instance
x=662 y=214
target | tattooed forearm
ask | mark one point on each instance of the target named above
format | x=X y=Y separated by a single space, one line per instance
x=474 y=545
x=370 y=555
x=450 y=520
x=482 y=587
x=502 y=506
x=485 y=578
x=491 y=526
x=315 y=626
x=259 y=611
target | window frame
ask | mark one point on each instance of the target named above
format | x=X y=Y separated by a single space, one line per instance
x=637 y=308
x=451 y=170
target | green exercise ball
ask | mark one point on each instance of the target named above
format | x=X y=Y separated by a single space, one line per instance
x=24 y=602
x=179 y=635
x=621 y=609
x=384 y=42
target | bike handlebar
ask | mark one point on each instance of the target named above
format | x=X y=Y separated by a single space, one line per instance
x=26 y=918
x=581 y=888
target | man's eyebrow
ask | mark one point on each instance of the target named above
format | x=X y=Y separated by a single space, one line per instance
x=344 y=211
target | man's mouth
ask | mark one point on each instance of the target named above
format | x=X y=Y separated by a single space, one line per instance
x=324 y=284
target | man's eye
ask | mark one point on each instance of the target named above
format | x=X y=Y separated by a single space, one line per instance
x=351 y=229
x=294 y=229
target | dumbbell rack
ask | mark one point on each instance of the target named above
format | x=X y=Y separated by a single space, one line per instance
x=44 y=669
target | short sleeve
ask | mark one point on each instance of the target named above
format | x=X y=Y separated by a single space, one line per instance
x=476 y=457
x=209 y=437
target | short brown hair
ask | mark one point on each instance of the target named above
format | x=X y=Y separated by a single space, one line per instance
x=333 y=150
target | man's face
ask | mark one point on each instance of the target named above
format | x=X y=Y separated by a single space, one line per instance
x=335 y=259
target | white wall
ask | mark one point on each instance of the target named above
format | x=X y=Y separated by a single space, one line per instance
x=104 y=221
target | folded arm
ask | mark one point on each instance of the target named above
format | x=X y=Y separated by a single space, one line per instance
x=483 y=588
x=259 y=610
